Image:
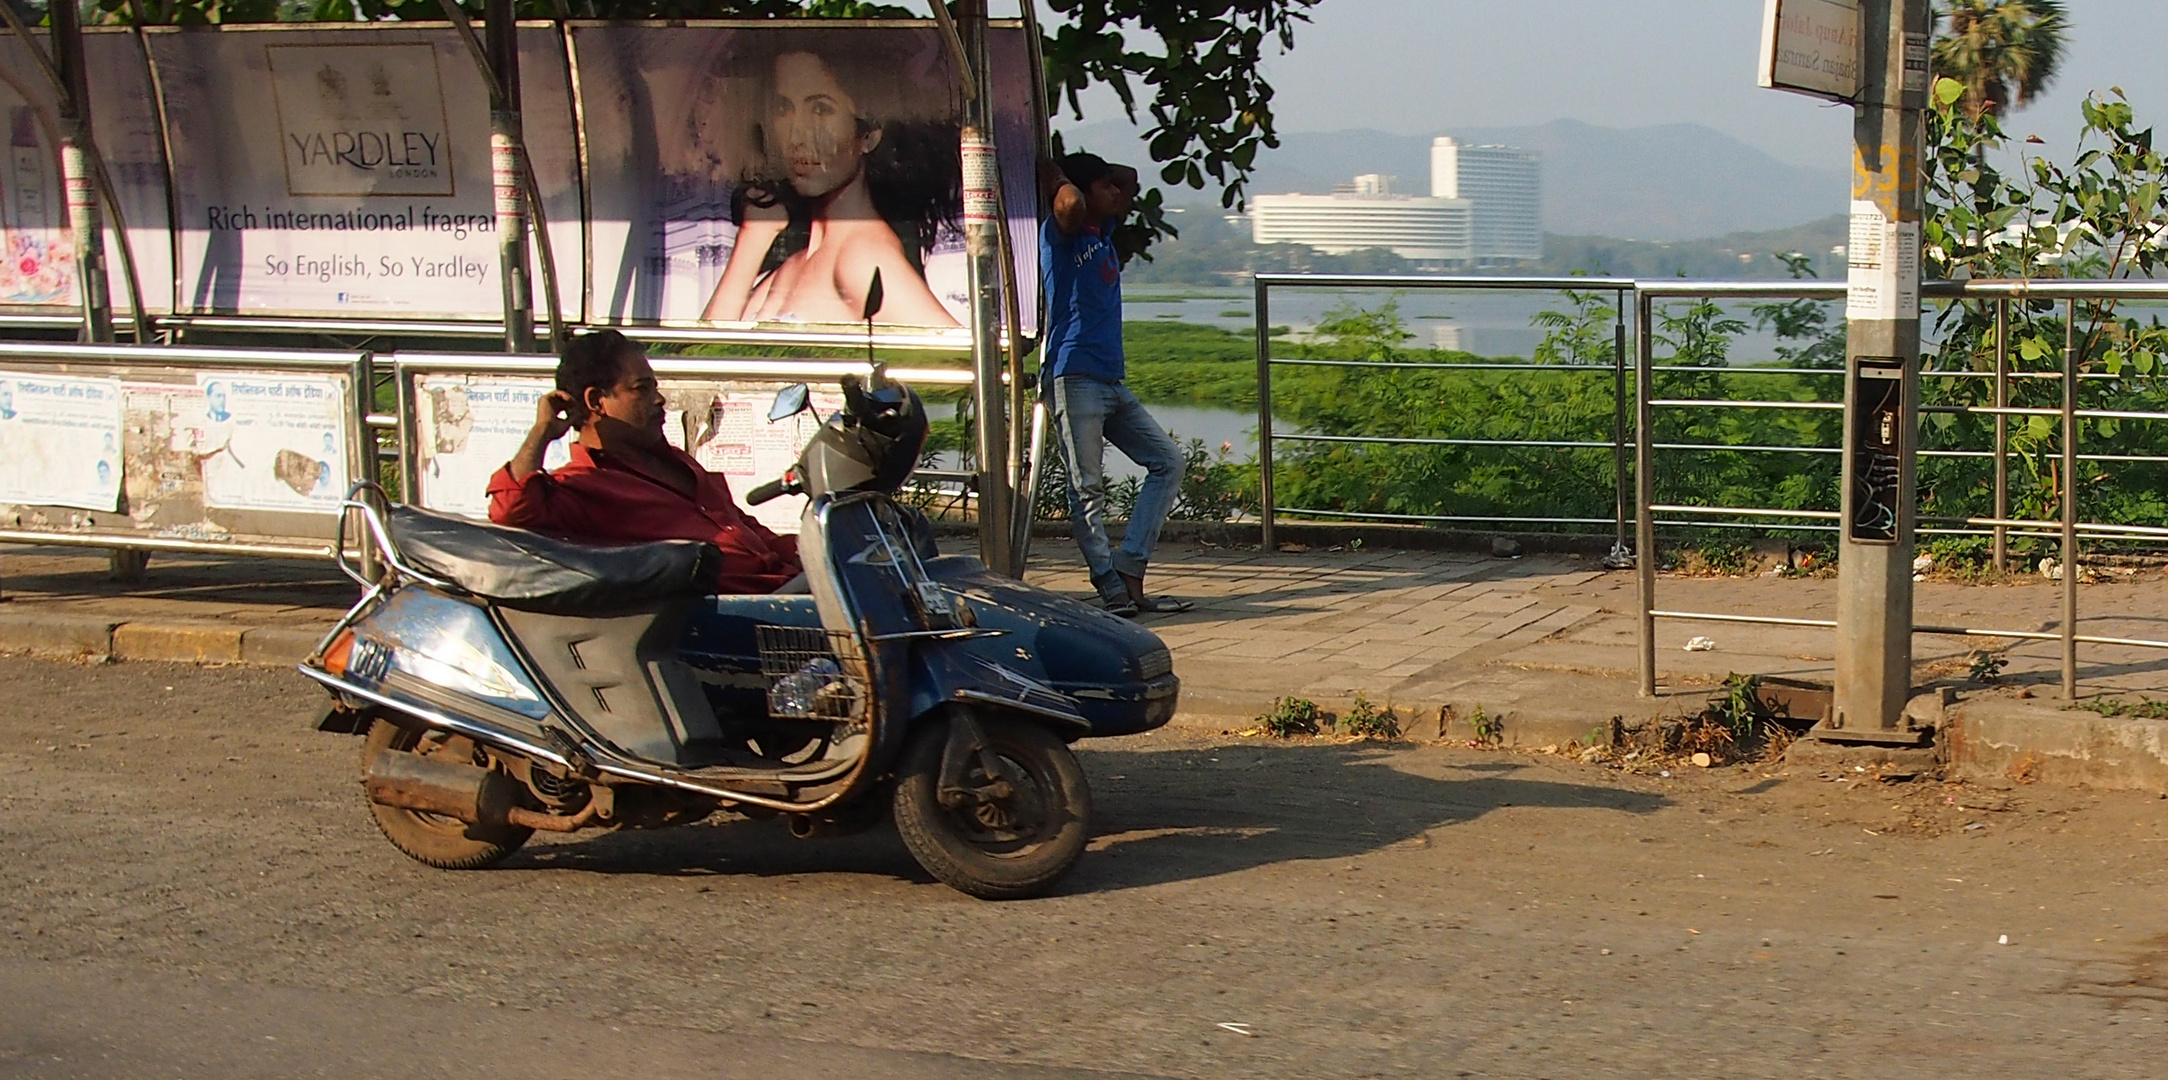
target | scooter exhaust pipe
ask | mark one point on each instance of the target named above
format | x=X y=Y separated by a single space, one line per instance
x=470 y=794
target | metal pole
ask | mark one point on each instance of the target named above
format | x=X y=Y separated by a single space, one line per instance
x=1882 y=352
x=2002 y=434
x=76 y=173
x=1645 y=491
x=507 y=170
x=361 y=383
x=1264 y=417
x=2070 y=500
x=982 y=181
x=1621 y=556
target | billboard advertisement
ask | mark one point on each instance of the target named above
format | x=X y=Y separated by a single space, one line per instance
x=346 y=171
x=744 y=176
x=756 y=176
x=37 y=253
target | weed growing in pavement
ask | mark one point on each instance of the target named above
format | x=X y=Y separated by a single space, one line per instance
x=2141 y=709
x=1739 y=712
x=1291 y=716
x=1987 y=668
x=1367 y=721
x=1488 y=731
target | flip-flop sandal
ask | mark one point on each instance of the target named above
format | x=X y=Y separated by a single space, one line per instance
x=1127 y=609
x=1163 y=605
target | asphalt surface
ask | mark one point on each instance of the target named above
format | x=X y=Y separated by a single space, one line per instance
x=189 y=886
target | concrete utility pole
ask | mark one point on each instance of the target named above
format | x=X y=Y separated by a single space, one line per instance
x=982 y=221
x=1881 y=400
x=77 y=175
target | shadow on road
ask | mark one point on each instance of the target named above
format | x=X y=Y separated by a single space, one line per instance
x=1161 y=816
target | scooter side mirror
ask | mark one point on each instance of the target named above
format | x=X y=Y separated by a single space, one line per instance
x=789 y=402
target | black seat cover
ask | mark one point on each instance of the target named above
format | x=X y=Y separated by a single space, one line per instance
x=527 y=570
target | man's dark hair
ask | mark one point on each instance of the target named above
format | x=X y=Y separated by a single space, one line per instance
x=593 y=359
x=1084 y=169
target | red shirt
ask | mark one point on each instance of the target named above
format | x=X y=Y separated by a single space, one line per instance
x=598 y=499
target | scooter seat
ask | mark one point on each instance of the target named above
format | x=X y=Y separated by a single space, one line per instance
x=533 y=572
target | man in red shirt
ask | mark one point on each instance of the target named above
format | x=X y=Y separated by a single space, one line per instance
x=626 y=484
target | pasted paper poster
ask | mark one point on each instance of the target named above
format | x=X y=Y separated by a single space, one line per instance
x=273 y=442
x=468 y=428
x=60 y=441
x=1882 y=265
x=732 y=436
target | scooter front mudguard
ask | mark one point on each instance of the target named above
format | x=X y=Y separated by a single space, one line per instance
x=1119 y=674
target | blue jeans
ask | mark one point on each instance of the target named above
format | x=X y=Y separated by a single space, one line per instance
x=1089 y=414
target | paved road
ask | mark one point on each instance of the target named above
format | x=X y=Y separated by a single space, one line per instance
x=189 y=886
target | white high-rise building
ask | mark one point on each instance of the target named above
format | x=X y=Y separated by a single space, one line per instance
x=1503 y=185
x=1365 y=215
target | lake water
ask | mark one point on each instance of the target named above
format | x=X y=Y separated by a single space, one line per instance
x=1488 y=323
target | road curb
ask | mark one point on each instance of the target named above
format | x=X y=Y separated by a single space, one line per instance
x=179 y=641
x=183 y=642
x=55 y=633
x=2025 y=741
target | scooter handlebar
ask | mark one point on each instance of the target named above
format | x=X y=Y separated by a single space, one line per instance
x=764 y=492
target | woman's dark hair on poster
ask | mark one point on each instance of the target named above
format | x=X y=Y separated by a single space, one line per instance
x=914 y=174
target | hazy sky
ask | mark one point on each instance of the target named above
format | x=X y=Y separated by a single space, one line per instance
x=1419 y=66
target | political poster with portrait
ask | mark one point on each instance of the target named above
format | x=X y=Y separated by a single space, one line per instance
x=37 y=252
x=466 y=428
x=347 y=171
x=60 y=441
x=272 y=442
x=758 y=177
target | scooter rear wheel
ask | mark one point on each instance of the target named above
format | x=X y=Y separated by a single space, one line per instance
x=1005 y=849
x=432 y=839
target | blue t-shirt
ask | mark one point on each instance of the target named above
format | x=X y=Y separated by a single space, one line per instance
x=1083 y=277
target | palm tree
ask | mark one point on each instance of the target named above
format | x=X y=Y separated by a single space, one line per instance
x=2003 y=51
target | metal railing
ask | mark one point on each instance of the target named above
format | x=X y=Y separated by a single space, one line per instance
x=1637 y=508
x=1268 y=509
x=2000 y=526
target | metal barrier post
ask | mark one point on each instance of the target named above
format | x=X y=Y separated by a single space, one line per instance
x=364 y=466
x=1645 y=491
x=1621 y=556
x=2070 y=499
x=1264 y=417
x=2002 y=434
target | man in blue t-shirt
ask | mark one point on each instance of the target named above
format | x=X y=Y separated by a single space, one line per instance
x=1081 y=372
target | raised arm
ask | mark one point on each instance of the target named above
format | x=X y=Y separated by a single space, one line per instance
x=1068 y=202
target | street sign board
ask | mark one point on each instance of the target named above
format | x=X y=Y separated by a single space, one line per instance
x=1811 y=47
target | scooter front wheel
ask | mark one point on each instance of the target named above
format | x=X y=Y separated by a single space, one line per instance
x=998 y=838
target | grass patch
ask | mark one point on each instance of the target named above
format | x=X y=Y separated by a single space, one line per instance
x=2140 y=709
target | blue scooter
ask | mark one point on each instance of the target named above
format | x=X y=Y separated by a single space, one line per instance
x=508 y=683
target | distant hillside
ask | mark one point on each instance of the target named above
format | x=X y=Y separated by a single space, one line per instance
x=1664 y=183
x=1732 y=255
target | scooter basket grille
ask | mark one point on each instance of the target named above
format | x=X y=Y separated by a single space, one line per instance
x=809 y=679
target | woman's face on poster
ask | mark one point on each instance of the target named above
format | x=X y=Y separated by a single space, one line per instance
x=813 y=126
